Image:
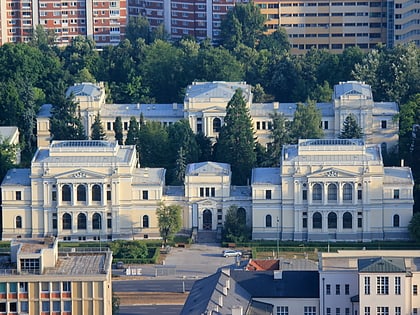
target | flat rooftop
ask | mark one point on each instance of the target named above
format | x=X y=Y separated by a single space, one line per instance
x=80 y=264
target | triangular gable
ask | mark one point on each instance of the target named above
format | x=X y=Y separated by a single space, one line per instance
x=331 y=172
x=80 y=173
x=208 y=168
x=381 y=265
x=214 y=109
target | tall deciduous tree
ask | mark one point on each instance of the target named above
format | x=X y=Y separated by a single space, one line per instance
x=169 y=221
x=236 y=142
x=244 y=24
x=97 y=130
x=118 y=130
x=351 y=129
x=65 y=123
x=180 y=166
x=306 y=122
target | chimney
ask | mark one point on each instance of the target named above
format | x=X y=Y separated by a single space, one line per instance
x=220 y=301
x=278 y=274
x=402 y=162
x=174 y=106
x=237 y=310
x=276 y=105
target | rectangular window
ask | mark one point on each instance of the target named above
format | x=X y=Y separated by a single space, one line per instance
x=67 y=306
x=109 y=223
x=54 y=220
x=382 y=285
x=45 y=286
x=382 y=310
x=45 y=306
x=54 y=195
x=213 y=192
x=415 y=289
x=258 y=125
x=326 y=124
x=397 y=286
x=383 y=124
x=108 y=195
x=337 y=289
x=415 y=311
x=367 y=310
x=24 y=307
x=23 y=287
x=282 y=310
x=347 y=311
x=18 y=195
x=396 y=194
x=304 y=195
x=397 y=310
x=309 y=310
x=347 y=289
x=305 y=223
x=13 y=307
x=328 y=311
x=207 y=191
x=201 y=191
x=337 y=311
x=367 y=285
x=359 y=194
x=145 y=195
x=328 y=289
x=66 y=286
x=56 y=306
x=268 y=194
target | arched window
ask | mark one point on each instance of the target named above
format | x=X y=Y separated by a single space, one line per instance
x=332 y=192
x=347 y=192
x=81 y=193
x=66 y=221
x=96 y=193
x=332 y=220
x=396 y=220
x=317 y=220
x=317 y=192
x=268 y=222
x=18 y=222
x=241 y=213
x=145 y=221
x=217 y=124
x=347 y=220
x=96 y=221
x=81 y=221
x=65 y=193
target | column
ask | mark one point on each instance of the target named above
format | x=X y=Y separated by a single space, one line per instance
x=324 y=193
x=47 y=199
x=324 y=221
x=354 y=193
x=103 y=194
x=73 y=194
x=88 y=194
x=59 y=187
x=309 y=193
x=340 y=193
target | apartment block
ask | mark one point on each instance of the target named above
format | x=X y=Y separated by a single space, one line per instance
x=39 y=279
x=103 y=21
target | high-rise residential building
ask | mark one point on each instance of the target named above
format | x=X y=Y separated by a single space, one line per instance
x=103 y=21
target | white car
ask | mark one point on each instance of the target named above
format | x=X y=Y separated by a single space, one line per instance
x=231 y=253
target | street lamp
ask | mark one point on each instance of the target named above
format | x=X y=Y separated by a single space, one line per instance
x=277 y=237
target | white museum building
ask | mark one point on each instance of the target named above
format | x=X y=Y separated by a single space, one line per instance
x=324 y=189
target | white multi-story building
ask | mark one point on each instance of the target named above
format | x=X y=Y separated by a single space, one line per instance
x=324 y=190
x=205 y=104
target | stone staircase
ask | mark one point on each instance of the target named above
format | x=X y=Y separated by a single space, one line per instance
x=208 y=237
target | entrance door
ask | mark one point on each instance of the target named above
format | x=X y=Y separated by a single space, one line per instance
x=207 y=220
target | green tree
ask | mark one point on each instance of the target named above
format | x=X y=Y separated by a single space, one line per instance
x=351 y=129
x=180 y=135
x=118 y=130
x=65 y=123
x=235 y=228
x=236 y=141
x=138 y=27
x=244 y=24
x=180 y=166
x=133 y=132
x=7 y=157
x=115 y=305
x=97 y=130
x=154 y=145
x=276 y=42
x=205 y=147
x=414 y=227
x=135 y=250
x=306 y=122
x=169 y=221
x=322 y=93
x=280 y=135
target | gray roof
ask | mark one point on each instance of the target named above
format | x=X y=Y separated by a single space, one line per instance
x=381 y=265
x=45 y=111
x=149 y=176
x=208 y=168
x=204 y=91
x=84 y=89
x=352 y=88
x=266 y=175
x=7 y=132
x=17 y=176
x=288 y=109
x=385 y=108
x=398 y=175
x=149 y=111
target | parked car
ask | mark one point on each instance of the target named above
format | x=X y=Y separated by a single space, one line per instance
x=231 y=253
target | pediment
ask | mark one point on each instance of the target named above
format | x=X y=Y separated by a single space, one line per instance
x=208 y=168
x=214 y=109
x=80 y=174
x=331 y=173
x=208 y=202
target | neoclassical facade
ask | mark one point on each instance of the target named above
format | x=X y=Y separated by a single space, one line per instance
x=330 y=189
x=205 y=104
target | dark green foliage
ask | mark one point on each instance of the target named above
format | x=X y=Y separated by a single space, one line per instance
x=236 y=141
x=133 y=132
x=280 y=135
x=169 y=221
x=118 y=130
x=97 y=130
x=235 y=228
x=7 y=157
x=306 y=122
x=205 y=147
x=153 y=145
x=180 y=166
x=351 y=130
x=129 y=249
x=414 y=227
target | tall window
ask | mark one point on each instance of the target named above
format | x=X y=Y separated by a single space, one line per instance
x=145 y=221
x=367 y=310
x=217 y=124
x=317 y=192
x=347 y=220
x=81 y=193
x=309 y=310
x=382 y=310
x=415 y=289
x=241 y=213
x=396 y=194
x=332 y=192
x=268 y=194
x=66 y=221
x=65 y=193
x=81 y=221
x=317 y=221
x=337 y=289
x=145 y=195
x=396 y=220
x=397 y=286
x=268 y=222
x=397 y=310
x=382 y=285
x=282 y=310
x=18 y=222
x=347 y=289
x=328 y=289
x=347 y=192
x=96 y=193
x=332 y=220
x=367 y=285
x=96 y=221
